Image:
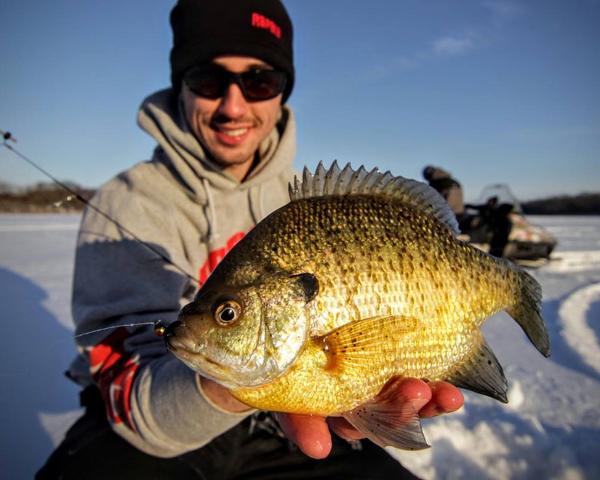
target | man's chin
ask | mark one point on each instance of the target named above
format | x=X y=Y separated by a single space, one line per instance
x=236 y=165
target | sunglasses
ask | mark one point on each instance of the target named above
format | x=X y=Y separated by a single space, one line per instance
x=256 y=84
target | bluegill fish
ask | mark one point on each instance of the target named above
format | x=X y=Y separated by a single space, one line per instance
x=359 y=279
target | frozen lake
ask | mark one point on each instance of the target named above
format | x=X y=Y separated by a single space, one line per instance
x=550 y=428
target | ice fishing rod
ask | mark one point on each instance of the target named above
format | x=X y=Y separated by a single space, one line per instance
x=7 y=136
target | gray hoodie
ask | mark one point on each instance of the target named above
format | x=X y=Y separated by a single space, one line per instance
x=185 y=207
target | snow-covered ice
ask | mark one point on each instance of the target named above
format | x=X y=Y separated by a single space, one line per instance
x=549 y=429
x=37 y=403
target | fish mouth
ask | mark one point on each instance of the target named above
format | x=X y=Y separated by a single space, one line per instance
x=204 y=365
x=186 y=349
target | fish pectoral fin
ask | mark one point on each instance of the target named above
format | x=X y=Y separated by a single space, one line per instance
x=389 y=420
x=481 y=372
x=368 y=342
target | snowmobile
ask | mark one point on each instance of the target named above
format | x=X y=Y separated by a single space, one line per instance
x=526 y=242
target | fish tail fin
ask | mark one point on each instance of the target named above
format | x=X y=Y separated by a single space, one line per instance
x=389 y=420
x=526 y=312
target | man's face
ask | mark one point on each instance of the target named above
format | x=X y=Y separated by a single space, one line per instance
x=230 y=128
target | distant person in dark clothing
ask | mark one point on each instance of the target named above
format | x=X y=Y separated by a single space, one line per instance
x=487 y=211
x=501 y=227
x=495 y=220
x=448 y=187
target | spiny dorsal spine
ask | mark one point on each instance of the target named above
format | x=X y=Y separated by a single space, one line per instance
x=347 y=181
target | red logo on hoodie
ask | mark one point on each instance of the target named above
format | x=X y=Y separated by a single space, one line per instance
x=114 y=370
x=215 y=257
x=260 y=21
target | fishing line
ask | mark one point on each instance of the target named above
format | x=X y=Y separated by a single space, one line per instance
x=159 y=328
x=8 y=136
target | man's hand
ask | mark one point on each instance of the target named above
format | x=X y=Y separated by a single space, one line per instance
x=312 y=433
x=220 y=396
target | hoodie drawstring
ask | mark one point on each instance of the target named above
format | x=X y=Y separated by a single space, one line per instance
x=255 y=199
x=211 y=216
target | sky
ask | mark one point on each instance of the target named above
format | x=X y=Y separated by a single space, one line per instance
x=495 y=91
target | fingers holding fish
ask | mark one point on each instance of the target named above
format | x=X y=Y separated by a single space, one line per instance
x=342 y=428
x=309 y=432
x=445 y=398
x=413 y=390
x=220 y=396
x=428 y=399
x=404 y=389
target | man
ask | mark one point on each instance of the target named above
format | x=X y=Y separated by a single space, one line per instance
x=226 y=142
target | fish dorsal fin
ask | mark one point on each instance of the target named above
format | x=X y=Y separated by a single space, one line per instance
x=347 y=181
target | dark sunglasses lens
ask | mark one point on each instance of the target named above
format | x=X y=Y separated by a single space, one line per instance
x=255 y=84
x=206 y=84
x=263 y=84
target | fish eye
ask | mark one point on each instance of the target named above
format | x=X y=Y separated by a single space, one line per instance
x=227 y=312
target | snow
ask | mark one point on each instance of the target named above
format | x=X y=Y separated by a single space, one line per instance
x=574 y=314
x=549 y=429
x=37 y=403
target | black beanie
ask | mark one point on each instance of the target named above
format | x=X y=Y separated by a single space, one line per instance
x=205 y=29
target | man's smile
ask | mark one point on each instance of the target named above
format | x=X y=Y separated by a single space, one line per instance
x=231 y=136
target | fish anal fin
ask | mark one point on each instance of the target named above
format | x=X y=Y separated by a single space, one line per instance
x=362 y=343
x=389 y=420
x=481 y=372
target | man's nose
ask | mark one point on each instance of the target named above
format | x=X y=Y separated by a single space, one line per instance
x=233 y=104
